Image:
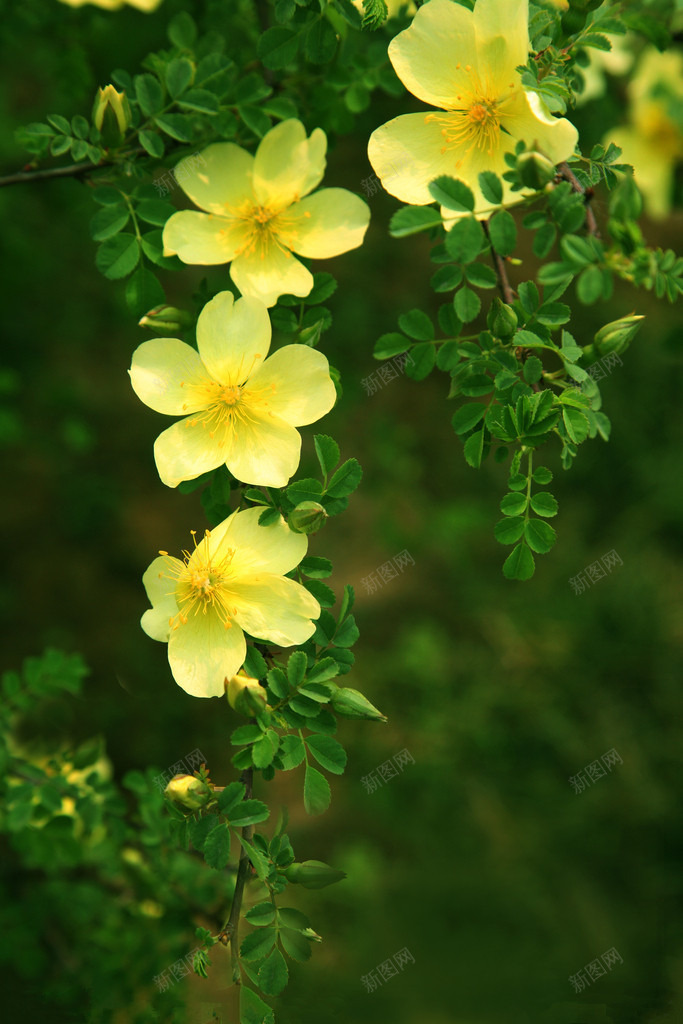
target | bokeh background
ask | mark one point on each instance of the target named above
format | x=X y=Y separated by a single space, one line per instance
x=477 y=857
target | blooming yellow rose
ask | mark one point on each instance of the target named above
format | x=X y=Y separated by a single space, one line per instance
x=116 y=5
x=231 y=583
x=256 y=214
x=464 y=62
x=240 y=409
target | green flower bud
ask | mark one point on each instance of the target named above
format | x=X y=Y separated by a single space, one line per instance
x=246 y=695
x=307 y=517
x=313 y=874
x=165 y=320
x=111 y=115
x=501 y=319
x=617 y=336
x=535 y=169
x=352 y=704
x=188 y=792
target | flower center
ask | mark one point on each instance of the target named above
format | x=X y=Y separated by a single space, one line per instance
x=475 y=119
x=265 y=227
x=201 y=583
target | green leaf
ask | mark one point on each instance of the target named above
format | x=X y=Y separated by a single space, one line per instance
x=508 y=531
x=108 y=221
x=277 y=47
x=273 y=974
x=261 y=915
x=252 y=1008
x=277 y=681
x=519 y=565
x=446 y=278
x=265 y=749
x=542 y=475
x=321 y=592
x=474 y=449
x=296 y=668
x=295 y=945
x=539 y=536
x=416 y=324
x=328 y=752
x=143 y=292
x=249 y=812
x=324 y=285
x=315 y=567
x=421 y=361
x=292 y=752
x=79 y=150
x=154 y=211
x=452 y=193
x=326 y=668
x=576 y=424
x=258 y=944
x=533 y=370
x=118 y=256
x=345 y=480
x=347 y=633
x=232 y=795
x=106 y=195
x=152 y=246
x=467 y=304
x=544 y=504
x=60 y=123
x=589 y=285
x=60 y=144
x=327 y=450
x=179 y=75
x=151 y=142
x=245 y=734
x=389 y=345
x=481 y=276
x=182 y=31
x=217 y=847
x=201 y=100
x=80 y=127
x=149 y=94
x=178 y=126
x=321 y=42
x=467 y=417
x=514 y=503
x=465 y=239
x=503 y=234
x=491 y=187
x=411 y=219
x=317 y=793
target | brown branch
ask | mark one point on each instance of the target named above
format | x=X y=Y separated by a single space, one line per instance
x=230 y=932
x=568 y=175
x=73 y=171
x=500 y=269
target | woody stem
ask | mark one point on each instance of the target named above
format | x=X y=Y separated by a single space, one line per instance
x=501 y=271
x=568 y=175
x=231 y=930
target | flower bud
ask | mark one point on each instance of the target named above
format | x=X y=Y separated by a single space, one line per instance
x=617 y=336
x=501 y=319
x=111 y=115
x=246 y=695
x=307 y=517
x=189 y=792
x=313 y=874
x=535 y=169
x=352 y=704
x=165 y=320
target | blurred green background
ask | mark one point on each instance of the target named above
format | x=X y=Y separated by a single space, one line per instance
x=478 y=857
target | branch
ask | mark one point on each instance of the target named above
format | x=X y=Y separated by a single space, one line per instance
x=501 y=270
x=230 y=932
x=73 y=171
x=568 y=175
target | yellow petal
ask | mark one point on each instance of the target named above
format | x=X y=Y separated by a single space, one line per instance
x=233 y=338
x=501 y=29
x=328 y=223
x=425 y=56
x=186 y=450
x=287 y=165
x=654 y=177
x=164 y=374
x=406 y=154
x=264 y=450
x=297 y=382
x=217 y=178
x=258 y=549
x=160 y=591
x=276 y=609
x=203 y=237
x=529 y=119
x=269 y=274
x=202 y=653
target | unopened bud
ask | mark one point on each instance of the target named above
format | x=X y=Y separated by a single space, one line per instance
x=307 y=517
x=352 y=704
x=165 y=320
x=617 y=336
x=111 y=115
x=501 y=319
x=246 y=695
x=535 y=169
x=189 y=792
x=313 y=874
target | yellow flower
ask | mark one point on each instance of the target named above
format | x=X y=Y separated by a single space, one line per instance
x=256 y=214
x=464 y=62
x=231 y=583
x=240 y=409
x=116 y=5
x=653 y=142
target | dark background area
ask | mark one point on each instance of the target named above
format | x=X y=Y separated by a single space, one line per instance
x=478 y=857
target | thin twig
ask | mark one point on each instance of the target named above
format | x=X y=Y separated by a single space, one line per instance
x=230 y=932
x=501 y=271
x=73 y=171
x=568 y=174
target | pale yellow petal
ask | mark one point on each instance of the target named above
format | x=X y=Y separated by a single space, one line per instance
x=161 y=593
x=165 y=373
x=186 y=450
x=287 y=165
x=276 y=609
x=258 y=549
x=431 y=54
x=263 y=450
x=654 y=176
x=233 y=338
x=217 y=178
x=296 y=384
x=527 y=117
x=406 y=154
x=202 y=653
x=328 y=223
x=203 y=237
x=501 y=29
x=270 y=273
